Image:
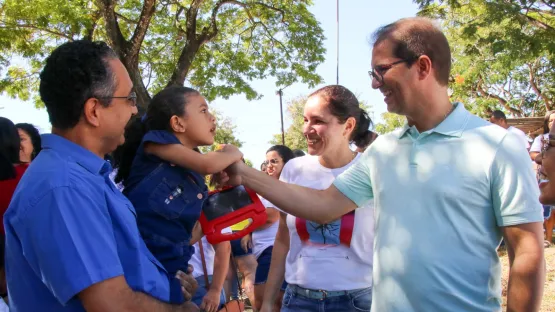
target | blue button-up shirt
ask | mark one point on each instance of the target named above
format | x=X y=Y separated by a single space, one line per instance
x=168 y=200
x=67 y=228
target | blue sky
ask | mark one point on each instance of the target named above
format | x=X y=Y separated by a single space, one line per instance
x=257 y=121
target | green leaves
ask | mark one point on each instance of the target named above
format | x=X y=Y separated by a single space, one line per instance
x=216 y=46
x=503 y=53
x=294 y=137
x=390 y=122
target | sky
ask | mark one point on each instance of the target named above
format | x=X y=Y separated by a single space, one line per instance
x=257 y=121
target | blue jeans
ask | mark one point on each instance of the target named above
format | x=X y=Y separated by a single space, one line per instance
x=201 y=291
x=353 y=301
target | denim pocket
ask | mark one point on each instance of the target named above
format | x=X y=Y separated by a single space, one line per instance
x=362 y=300
x=168 y=199
x=286 y=298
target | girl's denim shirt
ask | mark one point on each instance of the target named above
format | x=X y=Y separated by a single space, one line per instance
x=168 y=200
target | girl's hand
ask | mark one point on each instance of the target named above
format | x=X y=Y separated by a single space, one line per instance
x=246 y=242
x=219 y=180
x=232 y=151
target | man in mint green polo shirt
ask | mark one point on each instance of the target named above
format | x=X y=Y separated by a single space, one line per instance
x=447 y=188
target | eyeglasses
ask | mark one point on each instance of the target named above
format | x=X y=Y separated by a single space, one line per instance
x=131 y=98
x=274 y=162
x=378 y=71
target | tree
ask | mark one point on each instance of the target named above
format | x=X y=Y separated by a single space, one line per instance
x=503 y=53
x=390 y=122
x=216 y=46
x=294 y=137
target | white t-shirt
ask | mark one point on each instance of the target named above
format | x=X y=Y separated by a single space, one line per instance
x=209 y=254
x=521 y=135
x=3 y=306
x=537 y=144
x=338 y=255
x=264 y=238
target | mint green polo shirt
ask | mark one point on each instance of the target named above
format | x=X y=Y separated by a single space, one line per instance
x=441 y=198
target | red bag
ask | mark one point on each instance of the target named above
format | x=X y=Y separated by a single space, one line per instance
x=230 y=206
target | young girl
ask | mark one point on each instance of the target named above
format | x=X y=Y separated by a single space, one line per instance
x=163 y=175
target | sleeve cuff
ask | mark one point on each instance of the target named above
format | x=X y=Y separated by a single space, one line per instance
x=521 y=218
x=345 y=190
x=78 y=284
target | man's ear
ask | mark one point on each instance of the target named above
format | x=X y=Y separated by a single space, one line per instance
x=424 y=65
x=91 y=112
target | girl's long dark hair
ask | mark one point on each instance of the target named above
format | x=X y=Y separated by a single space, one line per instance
x=9 y=149
x=167 y=103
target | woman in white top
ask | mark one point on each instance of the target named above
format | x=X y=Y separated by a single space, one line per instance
x=327 y=267
x=263 y=238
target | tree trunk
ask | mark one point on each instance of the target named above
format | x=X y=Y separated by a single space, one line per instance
x=143 y=97
x=184 y=63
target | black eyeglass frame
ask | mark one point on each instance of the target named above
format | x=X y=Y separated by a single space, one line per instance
x=378 y=71
x=132 y=97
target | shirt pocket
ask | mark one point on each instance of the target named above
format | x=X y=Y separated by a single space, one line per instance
x=168 y=199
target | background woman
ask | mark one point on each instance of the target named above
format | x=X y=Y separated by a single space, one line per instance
x=30 y=142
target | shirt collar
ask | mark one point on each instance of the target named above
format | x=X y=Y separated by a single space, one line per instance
x=70 y=150
x=452 y=125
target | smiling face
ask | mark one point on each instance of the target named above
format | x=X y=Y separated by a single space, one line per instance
x=114 y=117
x=546 y=171
x=322 y=130
x=395 y=80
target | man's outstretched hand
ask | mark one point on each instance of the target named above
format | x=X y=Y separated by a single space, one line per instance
x=234 y=173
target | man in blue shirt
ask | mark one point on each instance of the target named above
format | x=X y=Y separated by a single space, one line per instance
x=72 y=242
x=446 y=189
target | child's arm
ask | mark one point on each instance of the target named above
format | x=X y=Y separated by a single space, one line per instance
x=204 y=164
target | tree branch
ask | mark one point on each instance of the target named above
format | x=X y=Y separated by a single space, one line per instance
x=90 y=32
x=149 y=6
x=125 y=18
x=501 y=100
x=115 y=37
x=532 y=78
x=255 y=23
x=52 y=32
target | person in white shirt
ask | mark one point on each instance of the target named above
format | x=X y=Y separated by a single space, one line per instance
x=499 y=118
x=328 y=267
x=537 y=145
x=216 y=257
x=262 y=240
